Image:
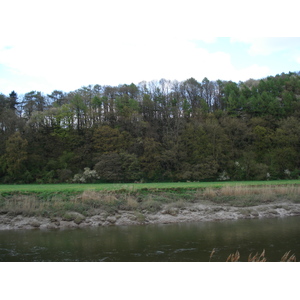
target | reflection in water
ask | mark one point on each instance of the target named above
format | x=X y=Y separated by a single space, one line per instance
x=172 y=242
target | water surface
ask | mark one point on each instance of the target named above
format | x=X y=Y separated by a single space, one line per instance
x=188 y=242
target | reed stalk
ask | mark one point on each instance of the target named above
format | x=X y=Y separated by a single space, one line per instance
x=235 y=257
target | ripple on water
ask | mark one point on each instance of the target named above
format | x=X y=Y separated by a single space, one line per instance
x=184 y=249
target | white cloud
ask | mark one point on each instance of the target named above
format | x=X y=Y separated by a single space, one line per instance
x=254 y=71
x=67 y=44
x=68 y=66
x=266 y=46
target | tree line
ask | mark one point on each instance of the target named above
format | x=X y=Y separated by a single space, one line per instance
x=154 y=131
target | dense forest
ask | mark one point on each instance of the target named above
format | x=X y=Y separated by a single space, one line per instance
x=154 y=131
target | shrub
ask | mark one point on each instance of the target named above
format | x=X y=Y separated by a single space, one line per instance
x=88 y=176
x=223 y=176
x=150 y=205
x=64 y=175
x=131 y=203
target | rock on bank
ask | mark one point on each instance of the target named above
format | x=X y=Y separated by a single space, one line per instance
x=191 y=213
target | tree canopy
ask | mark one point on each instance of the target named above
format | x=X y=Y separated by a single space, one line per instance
x=154 y=131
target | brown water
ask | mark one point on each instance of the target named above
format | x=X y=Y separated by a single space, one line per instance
x=160 y=243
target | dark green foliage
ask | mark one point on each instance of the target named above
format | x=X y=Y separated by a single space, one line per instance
x=15 y=157
x=109 y=167
x=118 y=167
x=155 y=131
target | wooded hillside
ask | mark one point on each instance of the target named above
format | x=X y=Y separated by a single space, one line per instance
x=154 y=131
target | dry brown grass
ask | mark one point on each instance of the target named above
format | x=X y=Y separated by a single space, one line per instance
x=211 y=254
x=26 y=204
x=57 y=204
x=90 y=195
x=131 y=202
x=263 y=190
x=257 y=257
x=84 y=202
x=287 y=258
x=98 y=196
x=210 y=193
x=262 y=193
x=235 y=257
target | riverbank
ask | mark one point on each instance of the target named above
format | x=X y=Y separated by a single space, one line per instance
x=94 y=208
x=192 y=213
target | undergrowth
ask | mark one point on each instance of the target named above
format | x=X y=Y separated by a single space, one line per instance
x=47 y=203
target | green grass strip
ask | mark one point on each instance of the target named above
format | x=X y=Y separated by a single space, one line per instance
x=38 y=188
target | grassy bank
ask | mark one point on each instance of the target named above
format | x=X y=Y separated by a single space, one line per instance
x=59 y=200
x=136 y=186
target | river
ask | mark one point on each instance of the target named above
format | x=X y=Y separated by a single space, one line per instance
x=184 y=242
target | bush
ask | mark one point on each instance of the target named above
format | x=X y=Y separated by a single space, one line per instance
x=64 y=175
x=150 y=205
x=88 y=176
x=110 y=167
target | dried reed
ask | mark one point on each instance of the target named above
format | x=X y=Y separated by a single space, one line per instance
x=210 y=193
x=211 y=254
x=131 y=202
x=104 y=197
x=234 y=257
x=254 y=194
x=257 y=258
x=286 y=258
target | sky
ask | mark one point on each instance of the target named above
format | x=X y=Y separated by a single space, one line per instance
x=64 y=45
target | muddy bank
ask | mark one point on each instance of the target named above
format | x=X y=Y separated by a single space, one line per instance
x=193 y=212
